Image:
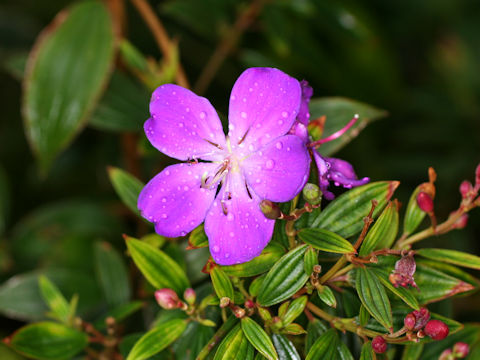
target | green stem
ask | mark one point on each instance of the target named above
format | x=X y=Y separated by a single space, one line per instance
x=224 y=329
x=333 y=270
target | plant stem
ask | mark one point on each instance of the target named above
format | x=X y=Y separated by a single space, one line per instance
x=333 y=270
x=224 y=329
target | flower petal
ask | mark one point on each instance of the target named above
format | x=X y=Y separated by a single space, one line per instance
x=323 y=168
x=341 y=173
x=279 y=170
x=174 y=199
x=263 y=106
x=184 y=125
x=243 y=232
x=304 y=113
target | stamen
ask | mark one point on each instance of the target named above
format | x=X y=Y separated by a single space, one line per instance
x=336 y=134
x=224 y=207
x=219 y=175
x=244 y=136
x=248 y=190
x=214 y=144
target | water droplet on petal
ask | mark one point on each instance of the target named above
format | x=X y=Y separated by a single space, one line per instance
x=185 y=188
x=203 y=114
x=230 y=217
x=180 y=125
x=164 y=216
x=258 y=181
x=216 y=249
x=280 y=122
x=232 y=234
x=270 y=164
x=288 y=148
x=284 y=114
x=250 y=89
x=227 y=255
x=187 y=109
x=279 y=145
x=167 y=172
x=251 y=147
x=183 y=233
x=243 y=114
x=164 y=200
x=232 y=97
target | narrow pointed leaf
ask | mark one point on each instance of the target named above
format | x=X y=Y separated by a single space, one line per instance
x=66 y=73
x=126 y=186
x=198 y=238
x=367 y=351
x=374 y=297
x=327 y=296
x=406 y=294
x=284 y=279
x=49 y=341
x=344 y=215
x=413 y=214
x=157 y=267
x=343 y=351
x=363 y=316
x=221 y=283
x=325 y=240
x=310 y=260
x=294 y=310
x=285 y=349
x=452 y=257
x=258 y=338
x=325 y=347
x=157 y=339
x=315 y=329
x=235 y=346
x=54 y=298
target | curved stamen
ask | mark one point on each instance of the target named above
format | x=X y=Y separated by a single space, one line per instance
x=336 y=134
x=209 y=183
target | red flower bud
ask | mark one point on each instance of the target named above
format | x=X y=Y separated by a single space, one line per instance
x=403 y=273
x=425 y=202
x=409 y=321
x=461 y=222
x=446 y=355
x=436 y=329
x=379 y=345
x=417 y=319
x=461 y=349
x=167 y=299
x=249 y=304
x=465 y=188
x=190 y=296
x=477 y=176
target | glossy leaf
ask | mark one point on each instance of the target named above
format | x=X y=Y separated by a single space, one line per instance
x=382 y=234
x=406 y=294
x=49 y=341
x=295 y=309
x=259 y=264
x=256 y=285
x=363 y=316
x=127 y=187
x=325 y=347
x=157 y=267
x=327 y=296
x=412 y=352
x=284 y=279
x=374 y=297
x=325 y=240
x=452 y=257
x=344 y=215
x=343 y=351
x=367 y=351
x=315 y=329
x=157 y=339
x=54 y=298
x=339 y=111
x=235 y=346
x=198 y=238
x=310 y=260
x=112 y=274
x=285 y=349
x=258 y=338
x=221 y=283
x=413 y=214
x=191 y=342
x=65 y=75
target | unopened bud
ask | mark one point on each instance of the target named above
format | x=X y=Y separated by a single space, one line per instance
x=461 y=349
x=436 y=329
x=238 y=312
x=167 y=299
x=270 y=209
x=477 y=176
x=224 y=302
x=461 y=222
x=417 y=319
x=409 y=321
x=465 y=188
x=190 y=296
x=446 y=355
x=249 y=304
x=425 y=202
x=312 y=194
x=379 y=345
x=317 y=269
x=403 y=273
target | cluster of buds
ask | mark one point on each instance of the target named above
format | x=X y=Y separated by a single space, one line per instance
x=168 y=299
x=418 y=322
x=469 y=191
x=459 y=351
x=404 y=271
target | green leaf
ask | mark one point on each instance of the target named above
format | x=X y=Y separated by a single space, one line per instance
x=413 y=214
x=4 y=200
x=66 y=73
x=315 y=329
x=325 y=347
x=343 y=352
x=157 y=267
x=257 y=265
x=258 y=338
x=112 y=274
x=221 y=283
x=452 y=257
x=339 y=111
x=285 y=349
x=363 y=316
x=256 y=284
x=284 y=279
x=327 y=296
x=310 y=259
x=124 y=106
x=325 y=240
x=295 y=309
x=367 y=351
x=403 y=293
x=382 y=234
x=127 y=187
x=54 y=298
x=157 y=339
x=198 y=238
x=344 y=215
x=412 y=351
x=234 y=346
x=374 y=297
x=191 y=342
x=49 y=341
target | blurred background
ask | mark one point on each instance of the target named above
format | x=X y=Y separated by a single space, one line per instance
x=417 y=60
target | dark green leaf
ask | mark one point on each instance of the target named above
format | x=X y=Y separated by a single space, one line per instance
x=112 y=274
x=367 y=351
x=66 y=72
x=374 y=297
x=343 y=352
x=127 y=187
x=412 y=352
x=157 y=339
x=344 y=215
x=258 y=338
x=452 y=257
x=198 y=238
x=363 y=316
x=221 y=283
x=15 y=65
x=325 y=240
x=339 y=111
x=403 y=293
x=257 y=265
x=49 y=341
x=327 y=296
x=285 y=349
x=191 y=342
x=256 y=284
x=325 y=347
x=295 y=309
x=284 y=279
x=413 y=214
x=157 y=267
x=54 y=299
x=310 y=260
x=315 y=329
x=235 y=346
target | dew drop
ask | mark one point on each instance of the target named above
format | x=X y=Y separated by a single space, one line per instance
x=232 y=97
x=174 y=93
x=258 y=181
x=180 y=125
x=203 y=115
x=284 y=114
x=244 y=100
x=216 y=249
x=227 y=255
x=232 y=234
x=250 y=89
x=251 y=147
x=279 y=145
x=243 y=114
x=185 y=188
x=164 y=199
x=183 y=233
x=280 y=122
x=270 y=164
x=288 y=148
x=164 y=216
x=230 y=217
x=167 y=172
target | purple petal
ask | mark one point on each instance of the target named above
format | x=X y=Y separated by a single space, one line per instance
x=341 y=173
x=323 y=168
x=263 y=106
x=242 y=233
x=279 y=170
x=184 y=125
x=174 y=199
x=303 y=113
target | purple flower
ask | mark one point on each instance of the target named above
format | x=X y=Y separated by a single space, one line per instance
x=257 y=160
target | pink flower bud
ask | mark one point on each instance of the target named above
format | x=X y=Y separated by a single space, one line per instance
x=249 y=304
x=270 y=209
x=461 y=222
x=409 y=321
x=190 y=296
x=403 y=273
x=425 y=202
x=461 y=349
x=446 y=355
x=417 y=319
x=379 y=345
x=167 y=299
x=224 y=302
x=436 y=329
x=477 y=176
x=465 y=188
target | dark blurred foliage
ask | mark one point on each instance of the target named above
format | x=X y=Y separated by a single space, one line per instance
x=417 y=60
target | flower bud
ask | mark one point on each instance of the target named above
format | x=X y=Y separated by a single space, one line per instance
x=224 y=302
x=379 y=345
x=409 y=321
x=477 y=176
x=167 y=299
x=403 y=273
x=238 y=312
x=461 y=349
x=461 y=222
x=270 y=209
x=312 y=194
x=417 y=319
x=465 y=188
x=436 y=329
x=425 y=202
x=446 y=355
x=249 y=304
x=190 y=296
